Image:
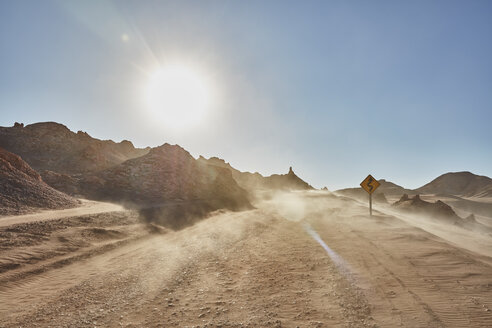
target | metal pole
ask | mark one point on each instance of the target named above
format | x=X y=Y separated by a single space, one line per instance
x=370 y=205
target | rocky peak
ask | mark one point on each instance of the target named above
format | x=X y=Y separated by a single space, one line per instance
x=168 y=182
x=44 y=127
x=217 y=160
x=169 y=150
x=127 y=143
x=83 y=134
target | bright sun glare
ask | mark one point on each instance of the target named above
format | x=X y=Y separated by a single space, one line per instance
x=178 y=96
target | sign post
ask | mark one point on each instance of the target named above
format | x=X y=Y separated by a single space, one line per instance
x=370 y=185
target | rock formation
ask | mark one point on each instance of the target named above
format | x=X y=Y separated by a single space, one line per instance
x=167 y=179
x=255 y=181
x=62 y=182
x=441 y=211
x=53 y=147
x=417 y=204
x=22 y=189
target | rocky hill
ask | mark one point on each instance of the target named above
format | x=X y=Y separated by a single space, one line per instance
x=22 y=189
x=255 y=181
x=51 y=146
x=167 y=180
x=464 y=184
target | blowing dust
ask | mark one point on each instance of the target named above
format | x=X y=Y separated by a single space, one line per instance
x=477 y=239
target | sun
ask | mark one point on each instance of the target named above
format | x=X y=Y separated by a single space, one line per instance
x=178 y=96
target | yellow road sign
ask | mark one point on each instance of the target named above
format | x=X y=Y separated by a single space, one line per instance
x=370 y=184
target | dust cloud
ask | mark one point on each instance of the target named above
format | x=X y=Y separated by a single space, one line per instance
x=476 y=239
x=298 y=205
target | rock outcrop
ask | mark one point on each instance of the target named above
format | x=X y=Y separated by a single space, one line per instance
x=62 y=182
x=416 y=204
x=22 y=189
x=53 y=147
x=255 y=181
x=440 y=211
x=289 y=181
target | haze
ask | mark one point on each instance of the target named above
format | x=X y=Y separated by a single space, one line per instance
x=335 y=89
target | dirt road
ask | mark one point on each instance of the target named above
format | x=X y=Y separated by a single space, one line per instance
x=87 y=207
x=312 y=261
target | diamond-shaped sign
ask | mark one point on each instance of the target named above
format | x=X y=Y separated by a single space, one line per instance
x=370 y=184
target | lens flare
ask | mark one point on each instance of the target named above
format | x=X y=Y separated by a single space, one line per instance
x=339 y=262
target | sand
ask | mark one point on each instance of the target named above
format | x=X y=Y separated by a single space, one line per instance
x=303 y=259
x=87 y=207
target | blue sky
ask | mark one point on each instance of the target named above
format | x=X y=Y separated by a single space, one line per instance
x=336 y=89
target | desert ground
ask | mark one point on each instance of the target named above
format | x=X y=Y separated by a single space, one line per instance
x=300 y=259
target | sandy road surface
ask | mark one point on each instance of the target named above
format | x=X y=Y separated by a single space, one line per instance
x=300 y=260
x=87 y=207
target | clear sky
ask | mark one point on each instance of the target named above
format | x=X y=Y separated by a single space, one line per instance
x=336 y=89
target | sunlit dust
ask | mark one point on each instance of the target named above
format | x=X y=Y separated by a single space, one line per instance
x=178 y=96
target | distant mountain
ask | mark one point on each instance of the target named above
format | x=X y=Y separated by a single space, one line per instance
x=386 y=189
x=463 y=184
x=454 y=184
x=454 y=188
x=392 y=189
x=361 y=194
x=255 y=181
x=52 y=146
x=23 y=190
